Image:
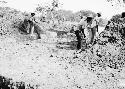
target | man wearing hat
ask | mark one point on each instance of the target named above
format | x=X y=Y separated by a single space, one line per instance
x=32 y=21
x=94 y=27
x=33 y=24
x=93 y=23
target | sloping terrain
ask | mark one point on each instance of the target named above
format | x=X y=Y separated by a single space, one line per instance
x=53 y=61
x=42 y=65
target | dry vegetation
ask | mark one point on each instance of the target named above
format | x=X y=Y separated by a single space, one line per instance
x=46 y=64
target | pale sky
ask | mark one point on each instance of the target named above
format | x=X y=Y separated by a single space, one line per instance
x=75 y=5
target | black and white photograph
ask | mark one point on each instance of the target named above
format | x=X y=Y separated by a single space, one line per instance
x=62 y=44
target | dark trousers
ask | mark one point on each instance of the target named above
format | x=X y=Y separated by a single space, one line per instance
x=37 y=30
x=92 y=34
x=82 y=30
x=77 y=33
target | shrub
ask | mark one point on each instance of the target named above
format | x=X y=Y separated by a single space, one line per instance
x=10 y=18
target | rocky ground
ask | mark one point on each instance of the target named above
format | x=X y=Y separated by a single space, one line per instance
x=46 y=64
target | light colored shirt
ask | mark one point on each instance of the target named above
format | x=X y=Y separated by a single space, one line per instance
x=35 y=20
x=83 y=22
x=95 y=22
x=97 y=19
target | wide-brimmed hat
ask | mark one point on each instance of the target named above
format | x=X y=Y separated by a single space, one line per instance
x=99 y=14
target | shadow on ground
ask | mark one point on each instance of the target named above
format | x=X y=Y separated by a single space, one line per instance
x=72 y=45
x=5 y=83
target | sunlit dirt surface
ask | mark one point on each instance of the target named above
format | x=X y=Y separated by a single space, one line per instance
x=42 y=65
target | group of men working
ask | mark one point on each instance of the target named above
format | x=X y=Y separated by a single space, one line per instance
x=89 y=24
